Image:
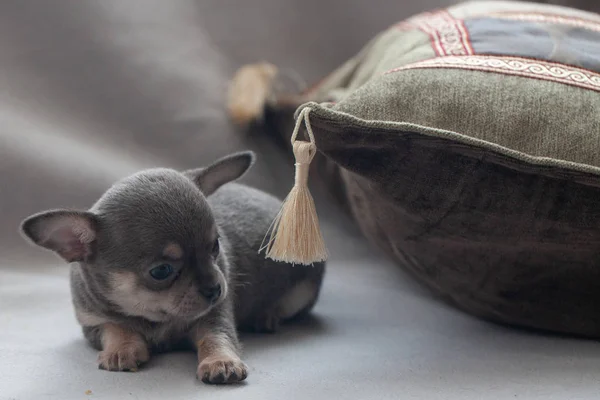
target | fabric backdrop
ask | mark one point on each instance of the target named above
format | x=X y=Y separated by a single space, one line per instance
x=93 y=90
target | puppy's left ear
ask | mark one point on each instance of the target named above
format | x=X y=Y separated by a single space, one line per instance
x=70 y=234
x=222 y=171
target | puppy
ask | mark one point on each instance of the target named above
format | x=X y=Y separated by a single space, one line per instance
x=166 y=259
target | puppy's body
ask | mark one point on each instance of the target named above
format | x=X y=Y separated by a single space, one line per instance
x=260 y=285
x=168 y=259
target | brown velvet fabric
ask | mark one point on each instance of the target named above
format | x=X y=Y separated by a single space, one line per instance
x=501 y=240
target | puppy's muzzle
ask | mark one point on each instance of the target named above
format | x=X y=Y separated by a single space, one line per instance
x=211 y=293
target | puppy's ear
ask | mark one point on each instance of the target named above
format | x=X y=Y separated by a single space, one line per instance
x=222 y=171
x=68 y=233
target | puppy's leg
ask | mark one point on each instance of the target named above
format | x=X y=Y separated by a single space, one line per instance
x=122 y=349
x=296 y=301
x=219 y=351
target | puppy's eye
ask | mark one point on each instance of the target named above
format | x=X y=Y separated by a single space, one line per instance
x=216 y=248
x=161 y=272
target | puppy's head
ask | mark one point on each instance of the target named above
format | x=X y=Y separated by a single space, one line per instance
x=150 y=245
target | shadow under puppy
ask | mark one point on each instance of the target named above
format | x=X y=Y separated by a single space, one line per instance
x=166 y=259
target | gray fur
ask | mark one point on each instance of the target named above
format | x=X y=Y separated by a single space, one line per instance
x=121 y=237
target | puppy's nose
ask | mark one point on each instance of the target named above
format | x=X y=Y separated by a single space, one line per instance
x=212 y=293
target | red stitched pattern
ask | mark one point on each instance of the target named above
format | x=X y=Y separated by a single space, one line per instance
x=525 y=67
x=448 y=35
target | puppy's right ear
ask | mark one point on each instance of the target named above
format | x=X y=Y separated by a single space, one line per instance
x=222 y=171
x=68 y=233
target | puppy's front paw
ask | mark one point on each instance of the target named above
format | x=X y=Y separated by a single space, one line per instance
x=222 y=370
x=127 y=357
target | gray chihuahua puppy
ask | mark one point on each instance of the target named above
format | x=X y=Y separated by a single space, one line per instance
x=166 y=259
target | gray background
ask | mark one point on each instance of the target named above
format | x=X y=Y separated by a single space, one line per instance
x=91 y=91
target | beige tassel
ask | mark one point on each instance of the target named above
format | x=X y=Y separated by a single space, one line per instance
x=295 y=235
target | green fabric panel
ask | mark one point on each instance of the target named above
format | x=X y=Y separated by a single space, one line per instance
x=531 y=116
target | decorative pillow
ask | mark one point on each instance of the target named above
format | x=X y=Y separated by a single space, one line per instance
x=469 y=145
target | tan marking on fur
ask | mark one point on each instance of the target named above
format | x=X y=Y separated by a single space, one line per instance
x=135 y=300
x=297 y=299
x=114 y=336
x=249 y=90
x=88 y=319
x=217 y=357
x=215 y=345
x=122 y=349
x=173 y=251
